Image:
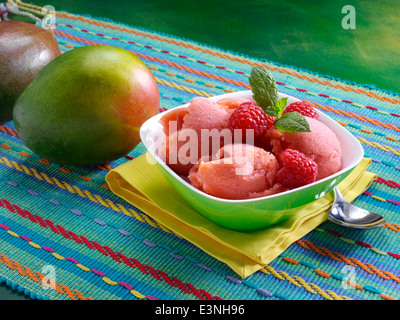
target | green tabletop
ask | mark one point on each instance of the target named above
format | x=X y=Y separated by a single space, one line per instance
x=301 y=33
x=305 y=34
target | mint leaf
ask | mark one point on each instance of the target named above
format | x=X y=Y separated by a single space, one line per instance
x=280 y=105
x=277 y=109
x=265 y=93
x=292 y=122
x=264 y=88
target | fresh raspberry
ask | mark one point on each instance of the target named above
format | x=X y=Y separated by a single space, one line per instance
x=250 y=116
x=301 y=107
x=297 y=169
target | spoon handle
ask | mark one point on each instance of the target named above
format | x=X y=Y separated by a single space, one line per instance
x=338 y=195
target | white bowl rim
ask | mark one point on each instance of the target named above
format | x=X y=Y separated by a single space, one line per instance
x=151 y=123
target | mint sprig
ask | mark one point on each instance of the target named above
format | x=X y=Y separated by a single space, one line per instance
x=265 y=94
x=278 y=107
x=264 y=88
x=292 y=122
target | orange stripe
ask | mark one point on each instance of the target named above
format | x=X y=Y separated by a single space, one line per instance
x=366 y=131
x=322 y=273
x=290 y=260
x=369 y=268
x=37 y=277
x=5 y=146
x=353 y=115
x=22 y=153
x=384 y=296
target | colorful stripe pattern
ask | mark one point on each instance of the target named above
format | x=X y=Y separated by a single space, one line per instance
x=63 y=223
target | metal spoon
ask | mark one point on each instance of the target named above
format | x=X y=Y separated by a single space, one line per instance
x=348 y=215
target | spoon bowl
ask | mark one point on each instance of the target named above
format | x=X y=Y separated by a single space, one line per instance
x=348 y=215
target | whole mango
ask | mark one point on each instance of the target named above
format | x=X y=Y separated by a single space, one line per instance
x=86 y=106
x=24 y=50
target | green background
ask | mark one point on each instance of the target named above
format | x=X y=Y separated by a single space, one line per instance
x=305 y=34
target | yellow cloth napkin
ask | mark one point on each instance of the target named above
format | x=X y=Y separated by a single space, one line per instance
x=143 y=185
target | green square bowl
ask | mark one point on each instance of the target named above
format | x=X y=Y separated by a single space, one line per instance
x=257 y=213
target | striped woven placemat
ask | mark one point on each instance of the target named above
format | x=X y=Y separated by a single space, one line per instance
x=63 y=222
